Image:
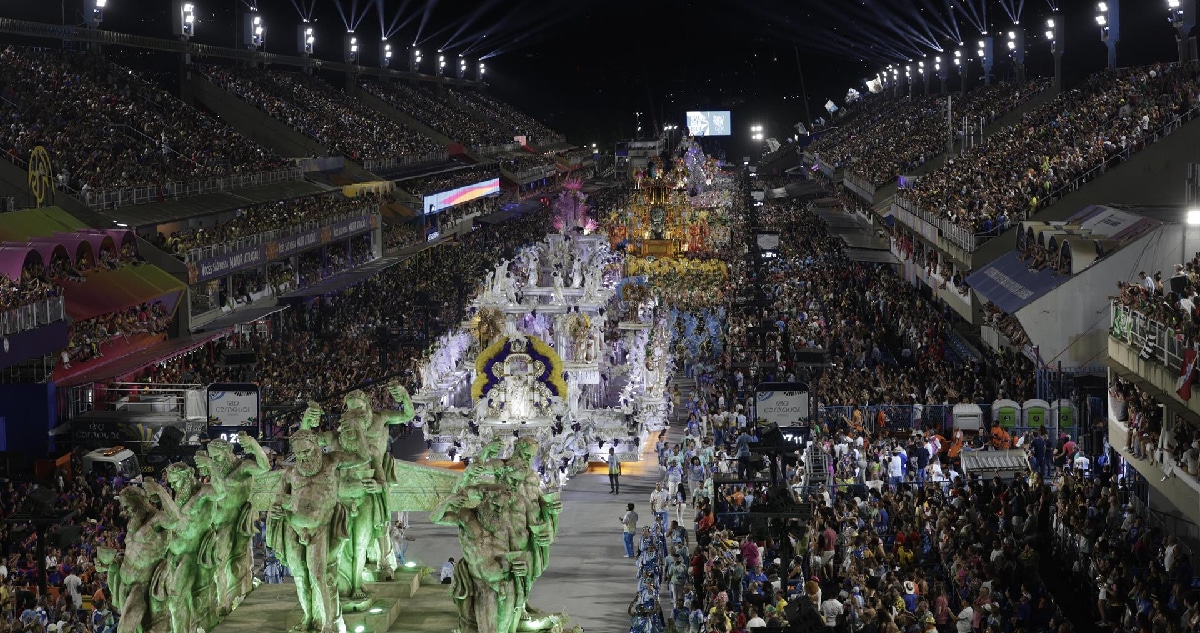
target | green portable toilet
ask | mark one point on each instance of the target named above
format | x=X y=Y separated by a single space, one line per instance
x=1036 y=413
x=1006 y=413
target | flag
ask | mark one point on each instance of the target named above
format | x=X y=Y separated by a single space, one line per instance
x=1187 y=371
x=801 y=130
x=831 y=106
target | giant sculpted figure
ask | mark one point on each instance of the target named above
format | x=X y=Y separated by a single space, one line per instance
x=505 y=527
x=192 y=592
x=138 y=576
x=363 y=433
x=227 y=547
x=308 y=523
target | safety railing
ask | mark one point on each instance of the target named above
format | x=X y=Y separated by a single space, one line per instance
x=492 y=150
x=1156 y=340
x=31 y=316
x=533 y=173
x=860 y=185
x=129 y=196
x=405 y=161
x=205 y=252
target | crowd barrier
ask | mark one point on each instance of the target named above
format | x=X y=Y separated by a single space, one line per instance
x=908 y=418
x=33 y=315
x=405 y=161
x=202 y=253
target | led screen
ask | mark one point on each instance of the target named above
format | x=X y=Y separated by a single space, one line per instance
x=708 y=123
x=439 y=201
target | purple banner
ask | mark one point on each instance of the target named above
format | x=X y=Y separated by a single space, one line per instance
x=300 y=242
x=222 y=265
x=22 y=346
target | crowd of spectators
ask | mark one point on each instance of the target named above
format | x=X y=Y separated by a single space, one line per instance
x=1172 y=302
x=915 y=131
x=106 y=128
x=269 y=216
x=88 y=337
x=312 y=107
x=516 y=123
x=1008 y=325
x=518 y=163
x=424 y=105
x=1022 y=167
x=886 y=343
x=26 y=290
x=437 y=183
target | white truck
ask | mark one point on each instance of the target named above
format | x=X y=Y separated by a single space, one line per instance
x=112 y=462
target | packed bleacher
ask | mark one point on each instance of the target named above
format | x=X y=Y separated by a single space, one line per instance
x=518 y=163
x=1022 y=167
x=916 y=131
x=106 y=128
x=424 y=105
x=575 y=156
x=437 y=183
x=515 y=122
x=88 y=337
x=887 y=344
x=29 y=289
x=331 y=117
x=292 y=213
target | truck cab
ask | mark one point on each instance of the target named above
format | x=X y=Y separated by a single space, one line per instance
x=112 y=462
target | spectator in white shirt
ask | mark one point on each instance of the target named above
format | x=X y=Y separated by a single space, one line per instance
x=830 y=610
x=754 y=621
x=447 y=571
x=965 y=617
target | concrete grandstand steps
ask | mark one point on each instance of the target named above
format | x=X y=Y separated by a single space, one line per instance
x=393 y=113
x=251 y=122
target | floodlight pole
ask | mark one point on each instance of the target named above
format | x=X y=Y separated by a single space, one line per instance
x=1109 y=19
x=1183 y=18
x=803 y=89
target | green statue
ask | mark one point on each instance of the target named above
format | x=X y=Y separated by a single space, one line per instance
x=138 y=577
x=505 y=527
x=308 y=524
x=192 y=589
x=227 y=548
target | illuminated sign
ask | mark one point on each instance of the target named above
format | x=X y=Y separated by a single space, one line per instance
x=446 y=199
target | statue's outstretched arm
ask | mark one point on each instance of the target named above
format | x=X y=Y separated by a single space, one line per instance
x=169 y=517
x=260 y=456
x=406 y=412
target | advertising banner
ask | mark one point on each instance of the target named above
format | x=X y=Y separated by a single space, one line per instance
x=233 y=407
x=222 y=265
x=446 y=199
x=782 y=403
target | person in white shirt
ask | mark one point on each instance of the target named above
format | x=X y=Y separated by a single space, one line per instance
x=965 y=617
x=660 y=504
x=1147 y=281
x=72 y=583
x=447 y=571
x=754 y=621
x=1082 y=463
x=1169 y=553
x=830 y=610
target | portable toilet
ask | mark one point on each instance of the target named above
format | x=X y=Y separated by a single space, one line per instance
x=968 y=417
x=1006 y=413
x=1036 y=414
x=1062 y=414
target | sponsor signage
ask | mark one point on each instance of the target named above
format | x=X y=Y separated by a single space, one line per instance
x=233 y=407
x=446 y=199
x=222 y=265
x=782 y=403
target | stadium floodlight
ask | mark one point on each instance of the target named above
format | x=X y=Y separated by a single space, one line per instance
x=385 y=54
x=305 y=39
x=93 y=12
x=1193 y=216
x=351 y=48
x=481 y=71
x=441 y=65
x=1108 y=18
x=414 y=61
x=462 y=67
x=254 y=34
x=185 y=27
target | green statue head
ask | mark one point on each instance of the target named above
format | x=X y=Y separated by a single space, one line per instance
x=525 y=448
x=221 y=452
x=307 y=450
x=135 y=503
x=180 y=477
x=357 y=399
x=349 y=437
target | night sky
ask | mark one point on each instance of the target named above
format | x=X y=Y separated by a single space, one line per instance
x=585 y=66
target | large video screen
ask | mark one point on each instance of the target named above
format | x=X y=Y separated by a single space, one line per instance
x=708 y=123
x=445 y=199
